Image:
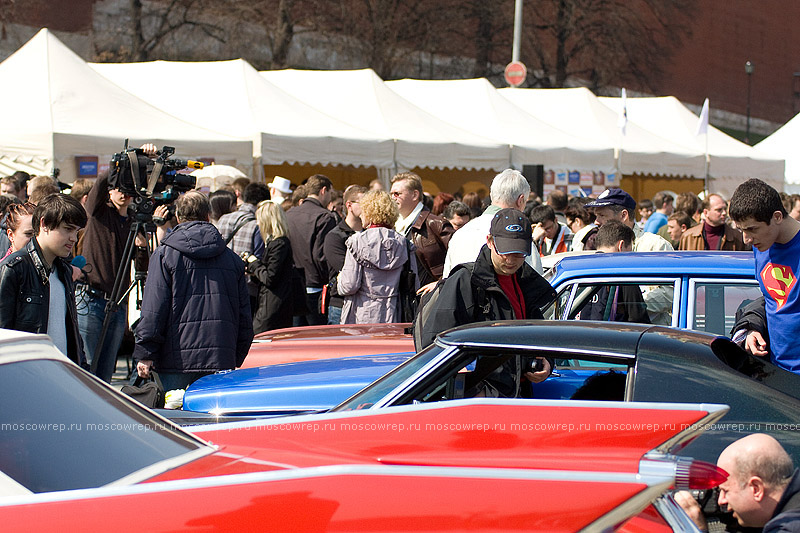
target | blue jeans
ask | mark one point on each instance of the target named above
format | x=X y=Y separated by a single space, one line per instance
x=334 y=315
x=91 y=313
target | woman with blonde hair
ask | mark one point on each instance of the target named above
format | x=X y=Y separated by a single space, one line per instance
x=370 y=278
x=273 y=270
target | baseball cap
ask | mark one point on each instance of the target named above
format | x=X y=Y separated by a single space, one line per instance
x=511 y=231
x=613 y=197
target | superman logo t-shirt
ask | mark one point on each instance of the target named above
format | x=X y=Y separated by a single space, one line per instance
x=778 y=269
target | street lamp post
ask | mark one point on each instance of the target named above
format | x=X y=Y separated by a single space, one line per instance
x=748 y=68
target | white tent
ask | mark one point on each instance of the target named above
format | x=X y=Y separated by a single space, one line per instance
x=231 y=97
x=361 y=98
x=784 y=144
x=730 y=161
x=579 y=112
x=475 y=105
x=54 y=107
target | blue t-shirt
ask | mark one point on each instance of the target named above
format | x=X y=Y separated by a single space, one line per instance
x=777 y=271
x=655 y=222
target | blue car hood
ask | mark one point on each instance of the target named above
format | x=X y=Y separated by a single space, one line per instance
x=288 y=388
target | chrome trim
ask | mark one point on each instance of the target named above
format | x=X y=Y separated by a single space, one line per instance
x=674 y=515
x=162 y=466
x=532 y=347
x=337 y=470
x=447 y=351
x=630 y=507
x=675 y=282
x=321 y=419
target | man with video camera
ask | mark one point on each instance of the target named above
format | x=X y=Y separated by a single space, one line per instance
x=762 y=489
x=103 y=246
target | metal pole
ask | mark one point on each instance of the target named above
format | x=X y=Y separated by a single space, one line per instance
x=748 y=68
x=517 y=30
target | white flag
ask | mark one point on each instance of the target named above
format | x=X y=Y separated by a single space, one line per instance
x=702 y=124
x=622 y=120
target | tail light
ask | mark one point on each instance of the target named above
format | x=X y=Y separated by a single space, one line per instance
x=692 y=474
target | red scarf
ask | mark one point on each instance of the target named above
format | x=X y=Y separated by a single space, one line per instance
x=512 y=290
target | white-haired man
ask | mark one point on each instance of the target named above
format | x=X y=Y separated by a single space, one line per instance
x=509 y=189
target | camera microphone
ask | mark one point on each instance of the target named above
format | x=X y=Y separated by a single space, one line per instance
x=189 y=163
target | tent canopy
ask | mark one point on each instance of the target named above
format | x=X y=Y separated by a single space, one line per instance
x=361 y=98
x=231 y=97
x=55 y=107
x=783 y=144
x=476 y=105
x=579 y=112
x=730 y=161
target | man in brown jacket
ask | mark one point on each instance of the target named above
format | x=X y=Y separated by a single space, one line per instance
x=713 y=233
x=429 y=233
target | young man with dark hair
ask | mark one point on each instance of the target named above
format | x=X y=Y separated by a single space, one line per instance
x=196 y=308
x=549 y=236
x=758 y=212
x=614 y=236
x=677 y=224
x=309 y=223
x=36 y=290
x=621 y=302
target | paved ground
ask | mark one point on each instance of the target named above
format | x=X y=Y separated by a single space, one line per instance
x=120 y=377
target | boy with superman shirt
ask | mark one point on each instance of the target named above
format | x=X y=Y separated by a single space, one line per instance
x=758 y=212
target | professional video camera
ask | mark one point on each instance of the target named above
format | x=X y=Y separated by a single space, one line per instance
x=151 y=182
x=135 y=174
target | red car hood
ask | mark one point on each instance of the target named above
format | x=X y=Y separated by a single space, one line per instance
x=531 y=434
x=327 y=342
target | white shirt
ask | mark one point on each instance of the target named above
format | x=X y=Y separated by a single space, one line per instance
x=650 y=242
x=402 y=224
x=466 y=243
x=57 y=314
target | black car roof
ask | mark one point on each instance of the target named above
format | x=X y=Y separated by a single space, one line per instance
x=584 y=336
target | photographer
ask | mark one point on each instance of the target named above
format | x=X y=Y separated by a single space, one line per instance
x=762 y=489
x=103 y=246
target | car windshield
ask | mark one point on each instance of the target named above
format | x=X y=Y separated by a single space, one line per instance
x=60 y=429
x=380 y=388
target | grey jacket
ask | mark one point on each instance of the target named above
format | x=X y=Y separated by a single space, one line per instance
x=371 y=274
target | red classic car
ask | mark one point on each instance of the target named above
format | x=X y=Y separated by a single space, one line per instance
x=75 y=455
x=327 y=342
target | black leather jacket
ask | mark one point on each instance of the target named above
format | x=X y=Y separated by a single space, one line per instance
x=25 y=296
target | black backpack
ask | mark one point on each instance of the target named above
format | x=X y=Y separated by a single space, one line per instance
x=428 y=302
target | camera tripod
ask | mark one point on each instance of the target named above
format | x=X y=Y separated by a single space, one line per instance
x=142 y=212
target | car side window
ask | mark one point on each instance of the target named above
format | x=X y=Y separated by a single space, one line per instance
x=556 y=309
x=624 y=302
x=715 y=304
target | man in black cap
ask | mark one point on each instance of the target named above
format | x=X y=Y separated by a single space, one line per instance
x=499 y=285
x=616 y=204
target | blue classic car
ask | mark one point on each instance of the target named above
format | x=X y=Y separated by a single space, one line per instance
x=690 y=290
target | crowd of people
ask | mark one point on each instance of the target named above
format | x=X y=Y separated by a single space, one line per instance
x=252 y=257
x=312 y=255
